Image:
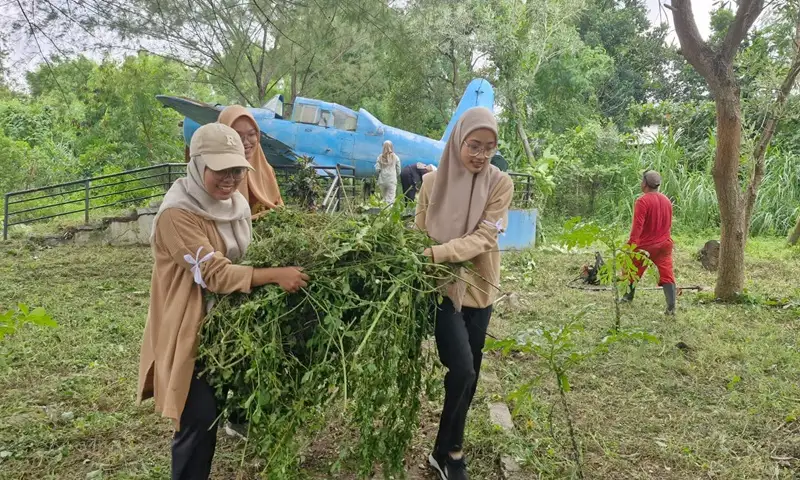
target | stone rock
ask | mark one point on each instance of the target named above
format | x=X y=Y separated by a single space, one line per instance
x=122 y=233
x=501 y=416
x=509 y=466
x=146 y=211
x=54 y=240
x=709 y=255
x=145 y=224
x=95 y=475
x=127 y=215
x=88 y=236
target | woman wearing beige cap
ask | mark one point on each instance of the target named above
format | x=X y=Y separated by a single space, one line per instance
x=201 y=227
x=464 y=207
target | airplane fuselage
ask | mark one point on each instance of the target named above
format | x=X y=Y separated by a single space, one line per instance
x=329 y=146
x=332 y=134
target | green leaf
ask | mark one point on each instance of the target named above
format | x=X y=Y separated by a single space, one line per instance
x=40 y=317
x=563 y=383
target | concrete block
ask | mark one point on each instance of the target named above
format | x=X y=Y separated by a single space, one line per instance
x=501 y=416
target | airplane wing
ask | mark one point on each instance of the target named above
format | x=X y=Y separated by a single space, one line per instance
x=201 y=113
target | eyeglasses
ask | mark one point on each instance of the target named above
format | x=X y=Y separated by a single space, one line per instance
x=252 y=136
x=236 y=173
x=475 y=149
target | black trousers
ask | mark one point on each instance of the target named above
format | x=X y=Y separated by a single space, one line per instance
x=460 y=337
x=410 y=177
x=194 y=444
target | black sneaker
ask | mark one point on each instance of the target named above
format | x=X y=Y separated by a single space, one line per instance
x=447 y=467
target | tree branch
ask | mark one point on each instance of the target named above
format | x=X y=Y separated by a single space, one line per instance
x=746 y=16
x=693 y=48
x=770 y=126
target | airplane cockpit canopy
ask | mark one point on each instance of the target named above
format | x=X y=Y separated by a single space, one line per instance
x=323 y=114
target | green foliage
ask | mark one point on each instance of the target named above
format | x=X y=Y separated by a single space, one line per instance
x=13 y=320
x=559 y=350
x=84 y=118
x=619 y=269
x=577 y=77
x=303 y=185
x=625 y=34
x=351 y=340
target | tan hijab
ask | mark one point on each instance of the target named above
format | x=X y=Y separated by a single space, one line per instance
x=446 y=217
x=261 y=184
x=232 y=216
x=387 y=157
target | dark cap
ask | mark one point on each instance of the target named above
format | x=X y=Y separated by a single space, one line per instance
x=652 y=179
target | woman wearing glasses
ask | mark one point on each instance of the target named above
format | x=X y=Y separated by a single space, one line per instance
x=201 y=227
x=464 y=207
x=261 y=188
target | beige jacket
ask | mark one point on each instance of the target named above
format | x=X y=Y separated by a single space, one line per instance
x=479 y=247
x=177 y=308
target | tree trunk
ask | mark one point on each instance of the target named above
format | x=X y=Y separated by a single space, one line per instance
x=795 y=236
x=523 y=135
x=293 y=93
x=733 y=236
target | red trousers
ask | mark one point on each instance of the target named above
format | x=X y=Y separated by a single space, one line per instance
x=661 y=256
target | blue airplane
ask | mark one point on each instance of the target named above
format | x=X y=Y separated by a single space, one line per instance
x=332 y=134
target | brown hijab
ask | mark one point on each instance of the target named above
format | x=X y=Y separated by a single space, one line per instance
x=456 y=187
x=261 y=188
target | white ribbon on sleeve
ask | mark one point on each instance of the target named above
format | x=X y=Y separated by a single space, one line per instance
x=498 y=225
x=195 y=263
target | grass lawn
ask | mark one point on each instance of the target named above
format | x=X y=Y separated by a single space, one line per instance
x=723 y=408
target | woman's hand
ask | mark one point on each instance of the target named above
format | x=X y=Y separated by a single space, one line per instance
x=258 y=215
x=291 y=279
x=428 y=253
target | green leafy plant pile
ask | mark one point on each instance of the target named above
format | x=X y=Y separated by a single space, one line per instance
x=351 y=340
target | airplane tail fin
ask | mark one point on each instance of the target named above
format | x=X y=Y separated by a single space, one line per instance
x=479 y=93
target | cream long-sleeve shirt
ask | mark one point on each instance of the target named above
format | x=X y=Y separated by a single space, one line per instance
x=480 y=247
x=177 y=308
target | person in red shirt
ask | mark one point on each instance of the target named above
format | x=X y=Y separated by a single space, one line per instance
x=651 y=233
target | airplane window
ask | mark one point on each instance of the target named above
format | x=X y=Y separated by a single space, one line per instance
x=325 y=120
x=307 y=114
x=344 y=121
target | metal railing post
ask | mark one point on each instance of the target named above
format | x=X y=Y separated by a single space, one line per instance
x=528 y=191
x=339 y=191
x=5 y=216
x=87 y=186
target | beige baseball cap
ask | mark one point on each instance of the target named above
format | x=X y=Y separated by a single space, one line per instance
x=220 y=147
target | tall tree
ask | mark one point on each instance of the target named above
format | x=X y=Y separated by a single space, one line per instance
x=716 y=64
x=521 y=38
x=430 y=59
x=250 y=48
x=624 y=31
